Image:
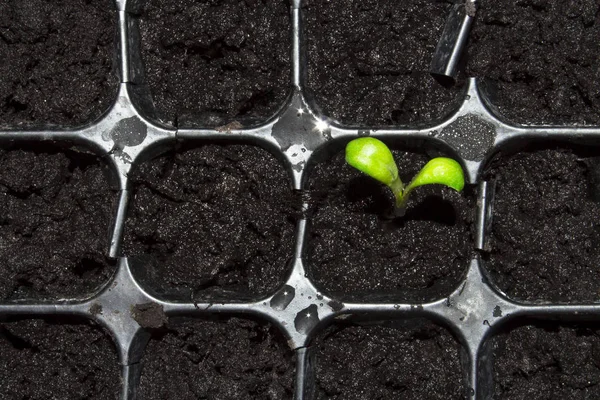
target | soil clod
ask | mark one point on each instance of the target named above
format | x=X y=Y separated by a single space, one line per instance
x=149 y=315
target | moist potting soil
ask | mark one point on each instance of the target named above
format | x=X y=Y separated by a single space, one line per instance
x=216 y=218
x=355 y=250
x=57 y=359
x=223 y=359
x=538 y=60
x=58 y=62
x=416 y=360
x=368 y=61
x=546 y=361
x=56 y=211
x=215 y=62
x=544 y=201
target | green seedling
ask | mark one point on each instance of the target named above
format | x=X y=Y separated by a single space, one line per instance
x=375 y=159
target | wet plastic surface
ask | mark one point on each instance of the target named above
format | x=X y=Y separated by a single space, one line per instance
x=298 y=135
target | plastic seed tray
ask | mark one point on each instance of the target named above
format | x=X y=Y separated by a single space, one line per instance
x=301 y=137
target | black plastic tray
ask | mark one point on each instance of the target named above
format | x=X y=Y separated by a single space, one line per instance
x=298 y=135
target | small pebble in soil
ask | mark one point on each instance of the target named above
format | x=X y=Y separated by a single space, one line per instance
x=224 y=359
x=149 y=315
x=95 y=309
x=216 y=219
x=56 y=211
x=210 y=62
x=368 y=61
x=545 y=235
x=58 y=359
x=412 y=360
x=57 y=61
x=547 y=361
x=539 y=59
x=353 y=250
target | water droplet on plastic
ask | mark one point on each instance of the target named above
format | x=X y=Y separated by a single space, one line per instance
x=307 y=319
x=283 y=298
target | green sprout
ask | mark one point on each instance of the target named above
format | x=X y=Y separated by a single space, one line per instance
x=375 y=159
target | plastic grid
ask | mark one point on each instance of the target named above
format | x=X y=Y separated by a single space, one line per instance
x=472 y=135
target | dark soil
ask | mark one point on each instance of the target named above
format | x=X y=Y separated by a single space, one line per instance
x=216 y=218
x=49 y=360
x=369 y=60
x=541 y=53
x=545 y=237
x=55 y=215
x=233 y=359
x=210 y=62
x=417 y=361
x=149 y=315
x=57 y=61
x=353 y=249
x=547 y=361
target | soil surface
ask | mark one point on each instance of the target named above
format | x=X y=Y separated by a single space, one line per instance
x=353 y=249
x=149 y=315
x=48 y=360
x=210 y=62
x=547 y=361
x=215 y=218
x=57 y=61
x=368 y=61
x=233 y=359
x=418 y=360
x=55 y=213
x=545 y=236
x=541 y=53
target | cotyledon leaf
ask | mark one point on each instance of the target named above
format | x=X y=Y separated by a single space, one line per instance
x=374 y=158
x=441 y=170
